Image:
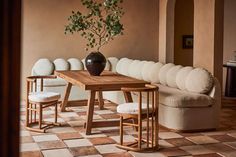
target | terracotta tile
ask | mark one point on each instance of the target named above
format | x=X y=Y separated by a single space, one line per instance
x=196 y=149
x=31 y=154
x=72 y=135
x=84 y=151
x=102 y=140
x=26 y=139
x=219 y=148
x=110 y=116
x=178 y=142
x=208 y=155
x=126 y=154
x=51 y=145
x=78 y=143
x=223 y=138
x=231 y=144
x=147 y=154
x=202 y=139
x=173 y=152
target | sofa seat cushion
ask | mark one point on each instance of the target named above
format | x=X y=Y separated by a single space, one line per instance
x=132 y=108
x=44 y=96
x=173 y=97
x=54 y=82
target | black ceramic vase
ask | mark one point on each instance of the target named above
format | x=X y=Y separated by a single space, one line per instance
x=95 y=63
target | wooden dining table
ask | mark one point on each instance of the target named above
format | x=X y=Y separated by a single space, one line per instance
x=107 y=81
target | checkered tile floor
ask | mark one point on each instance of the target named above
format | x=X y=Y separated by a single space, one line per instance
x=70 y=140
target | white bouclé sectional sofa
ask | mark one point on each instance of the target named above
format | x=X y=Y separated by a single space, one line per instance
x=190 y=98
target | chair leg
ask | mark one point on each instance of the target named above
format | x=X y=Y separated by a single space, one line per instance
x=27 y=115
x=121 y=130
x=139 y=133
x=40 y=116
x=56 y=112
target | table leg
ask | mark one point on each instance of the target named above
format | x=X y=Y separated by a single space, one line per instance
x=89 y=120
x=66 y=97
x=100 y=100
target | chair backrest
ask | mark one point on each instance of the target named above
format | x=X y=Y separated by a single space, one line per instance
x=152 y=99
x=35 y=83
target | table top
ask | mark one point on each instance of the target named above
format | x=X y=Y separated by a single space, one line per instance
x=107 y=81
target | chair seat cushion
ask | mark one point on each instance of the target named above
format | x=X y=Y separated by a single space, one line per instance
x=44 y=96
x=132 y=108
x=173 y=97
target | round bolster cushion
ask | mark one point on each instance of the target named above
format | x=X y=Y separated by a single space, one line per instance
x=134 y=69
x=154 y=72
x=75 y=64
x=113 y=61
x=123 y=66
x=181 y=77
x=43 y=67
x=199 y=81
x=146 y=70
x=163 y=73
x=61 y=64
x=171 y=76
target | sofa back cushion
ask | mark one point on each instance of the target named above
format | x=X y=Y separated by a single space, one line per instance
x=135 y=69
x=61 y=64
x=181 y=77
x=146 y=72
x=122 y=66
x=43 y=67
x=199 y=81
x=171 y=76
x=154 y=72
x=113 y=61
x=75 y=64
x=163 y=73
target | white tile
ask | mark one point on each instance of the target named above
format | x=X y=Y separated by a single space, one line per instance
x=92 y=156
x=165 y=144
x=126 y=138
x=169 y=135
x=103 y=112
x=57 y=153
x=110 y=148
x=196 y=150
x=42 y=138
x=78 y=143
x=68 y=114
x=48 y=112
x=62 y=130
x=25 y=147
x=59 y=120
x=24 y=133
x=154 y=154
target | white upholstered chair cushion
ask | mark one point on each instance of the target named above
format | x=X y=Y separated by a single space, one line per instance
x=171 y=76
x=163 y=72
x=113 y=61
x=132 y=108
x=43 y=67
x=181 y=77
x=154 y=72
x=199 y=81
x=44 y=96
x=146 y=70
x=75 y=64
x=61 y=64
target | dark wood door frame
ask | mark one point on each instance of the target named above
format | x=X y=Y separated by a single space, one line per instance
x=10 y=46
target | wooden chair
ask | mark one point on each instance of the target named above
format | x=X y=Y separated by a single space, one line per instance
x=36 y=101
x=141 y=111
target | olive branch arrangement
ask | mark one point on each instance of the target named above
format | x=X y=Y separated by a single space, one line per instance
x=100 y=24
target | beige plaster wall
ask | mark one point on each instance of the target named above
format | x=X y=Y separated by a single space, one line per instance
x=208 y=35
x=183 y=26
x=229 y=32
x=43 y=32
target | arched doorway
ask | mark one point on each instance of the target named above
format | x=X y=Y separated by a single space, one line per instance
x=183 y=32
